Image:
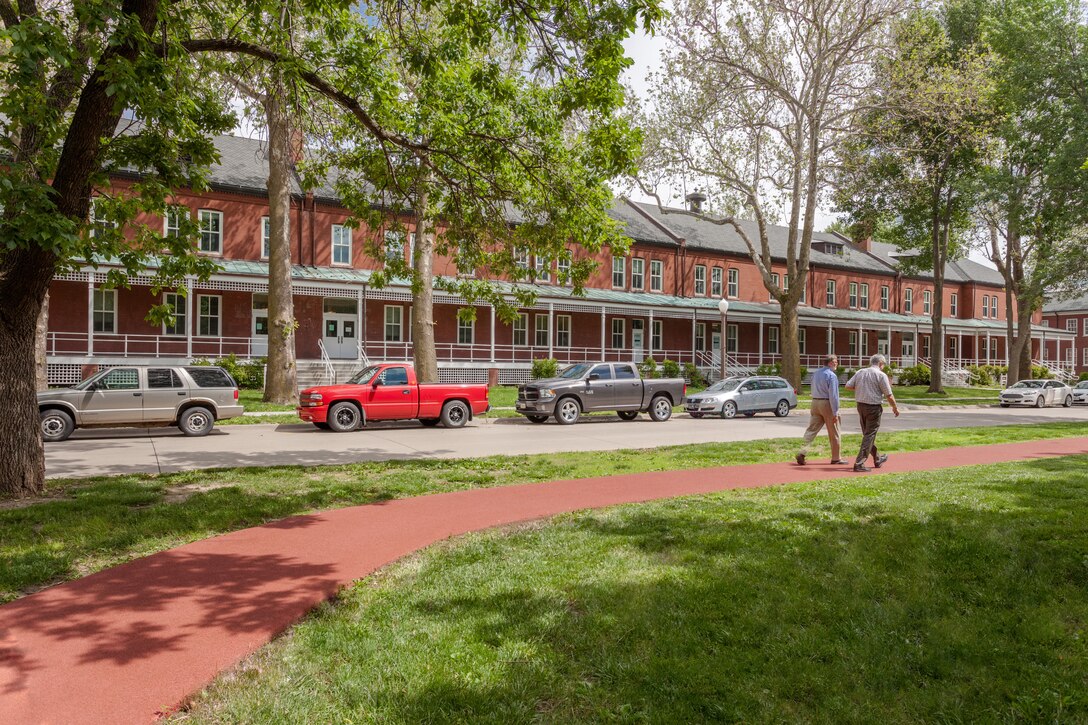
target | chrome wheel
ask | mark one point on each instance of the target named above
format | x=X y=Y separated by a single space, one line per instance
x=660 y=409
x=783 y=409
x=568 y=411
x=729 y=409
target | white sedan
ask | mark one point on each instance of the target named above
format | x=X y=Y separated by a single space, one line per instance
x=1038 y=393
x=1080 y=393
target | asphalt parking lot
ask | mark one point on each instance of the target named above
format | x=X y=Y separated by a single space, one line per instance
x=165 y=450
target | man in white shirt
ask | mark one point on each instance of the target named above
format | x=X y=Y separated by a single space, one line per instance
x=871 y=386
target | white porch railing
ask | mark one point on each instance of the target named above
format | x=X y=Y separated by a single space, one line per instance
x=1063 y=370
x=109 y=345
x=484 y=353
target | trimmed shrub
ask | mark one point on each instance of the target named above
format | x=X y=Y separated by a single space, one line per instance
x=670 y=369
x=917 y=375
x=545 y=368
x=249 y=374
x=1038 y=372
x=648 y=368
x=1082 y=377
x=692 y=374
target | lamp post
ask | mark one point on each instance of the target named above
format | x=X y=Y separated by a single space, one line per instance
x=723 y=307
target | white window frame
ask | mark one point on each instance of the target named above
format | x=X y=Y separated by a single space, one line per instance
x=393 y=322
x=1085 y=333
x=521 y=258
x=638 y=273
x=927 y=302
x=562 y=271
x=337 y=242
x=772 y=339
x=732 y=334
x=802 y=340
x=393 y=242
x=908 y=300
x=853 y=298
x=985 y=307
x=1084 y=357
x=543 y=267
x=830 y=297
x=541 y=334
x=715 y=283
x=864 y=344
x=201 y=317
x=99 y=308
x=266 y=237
x=994 y=308
x=463 y=327
x=619 y=330
x=700 y=280
x=177 y=301
x=863 y=298
x=953 y=305
x=1071 y=325
x=852 y=343
x=657 y=335
x=885 y=297
x=173 y=214
x=700 y=336
x=205 y=216
x=563 y=330
x=520 y=328
x=619 y=272
x=732 y=283
x=657 y=275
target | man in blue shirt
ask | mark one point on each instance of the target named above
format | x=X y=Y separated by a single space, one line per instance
x=825 y=409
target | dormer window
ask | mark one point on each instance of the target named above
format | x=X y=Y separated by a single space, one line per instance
x=829 y=247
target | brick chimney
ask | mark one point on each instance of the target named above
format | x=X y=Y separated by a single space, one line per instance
x=865 y=243
x=695 y=200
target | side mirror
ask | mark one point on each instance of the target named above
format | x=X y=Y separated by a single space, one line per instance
x=594 y=376
x=376 y=383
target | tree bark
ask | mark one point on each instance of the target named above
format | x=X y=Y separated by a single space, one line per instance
x=1023 y=340
x=41 y=334
x=791 y=349
x=281 y=372
x=424 y=354
x=1012 y=361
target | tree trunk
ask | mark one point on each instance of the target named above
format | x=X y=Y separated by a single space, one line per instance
x=1023 y=340
x=423 y=349
x=791 y=350
x=281 y=375
x=1011 y=360
x=41 y=334
x=936 y=340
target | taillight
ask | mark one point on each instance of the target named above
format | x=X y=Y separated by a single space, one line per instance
x=236 y=393
x=685 y=390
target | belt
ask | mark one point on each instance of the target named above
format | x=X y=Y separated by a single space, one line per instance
x=821 y=398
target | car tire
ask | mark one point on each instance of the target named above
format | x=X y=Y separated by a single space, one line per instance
x=1004 y=405
x=750 y=415
x=627 y=414
x=321 y=426
x=537 y=418
x=56 y=425
x=1068 y=402
x=660 y=408
x=1039 y=402
x=344 y=417
x=430 y=422
x=568 y=411
x=729 y=409
x=455 y=414
x=782 y=409
x=696 y=415
x=196 y=421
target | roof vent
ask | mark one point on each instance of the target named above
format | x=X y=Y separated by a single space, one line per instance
x=695 y=200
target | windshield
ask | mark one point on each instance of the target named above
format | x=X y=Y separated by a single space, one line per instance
x=363 y=376
x=1082 y=385
x=575 y=371
x=1029 y=384
x=91 y=380
x=724 y=386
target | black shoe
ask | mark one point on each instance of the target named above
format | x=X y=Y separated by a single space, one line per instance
x=839 y=462
x=861 y=468
x=800 y=459
x=881 y=460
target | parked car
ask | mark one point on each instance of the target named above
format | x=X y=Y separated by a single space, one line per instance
x=390 y=391
x=1080 y=393
x=1038 y=393
x=590 y=387
x=747 y=395
x=190 y=397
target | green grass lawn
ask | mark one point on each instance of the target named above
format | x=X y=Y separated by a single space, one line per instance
x=91 y=524
x=959 y=596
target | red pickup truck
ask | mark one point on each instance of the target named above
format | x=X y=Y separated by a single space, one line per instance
x=390 y=391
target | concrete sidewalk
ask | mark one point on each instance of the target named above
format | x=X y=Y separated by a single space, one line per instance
x=131 y=643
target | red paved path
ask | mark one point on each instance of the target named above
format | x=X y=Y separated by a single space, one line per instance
x=124 y=644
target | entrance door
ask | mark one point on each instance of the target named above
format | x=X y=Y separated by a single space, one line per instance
x=638 y=350
x=908 y=351
x=716 y=347
x=340 y=336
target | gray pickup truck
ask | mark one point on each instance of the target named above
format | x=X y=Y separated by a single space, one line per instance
x=591 y=387
x=190 y=397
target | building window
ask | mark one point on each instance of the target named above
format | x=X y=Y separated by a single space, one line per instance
x=732 y=288
x=177 y=302
x=864 y=299
x=394 y=248
x=562 y=330
x=638 y=273
x=925 y=345
x=172 y=221
x=772 y=340
x=700 y=336
x=266 y=237
x=830 y=293
x=341 y=245
x=521 y=329
x=852 y=343
x=802 y=341
x=211 y=231
x=543 y=269
x=260 y=314
x=619 y=336
x=853 y=295
x=730 y=339
x=884 y=297
x=466 y=331
x=953 y=307
x=96 y=221
x=655 y=335
x=562 y=270
x=656 y=275
x=908 y=300
x=209 y=312
x=953 y=348
x=1084 y=357
x=1071 y=326
x=927 y=302
x=716 y=282
x=105 y=310
x=619 y=272
x=700 y=280
x=985 y=306
x=776 y=281
x=541 y=328
x=1085 y=327
x=394 y=320
x=993 y=310
x=864 y=344
x=521 y=258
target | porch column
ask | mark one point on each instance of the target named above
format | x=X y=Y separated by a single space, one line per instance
x=602 y=333
x=90 y=313
x=830 y=339
x=189 y=321
x=651 y=346
x=1042 y=348
x=889 y=344
x=987 y=347
x=551 y=329
x=694 y=317
x=959 y=345
x=493 y=333
x=760 y=340
x=359 y=324
x=861 y=345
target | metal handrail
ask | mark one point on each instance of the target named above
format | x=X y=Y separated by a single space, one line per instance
x=326 y=362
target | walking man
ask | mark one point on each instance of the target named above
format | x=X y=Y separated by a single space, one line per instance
x=825 y=410
x=870 y=387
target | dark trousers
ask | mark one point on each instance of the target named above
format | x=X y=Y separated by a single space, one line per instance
x=870 y=424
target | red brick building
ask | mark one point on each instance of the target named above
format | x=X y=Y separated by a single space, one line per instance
x=660 y=300
x=1070 y=317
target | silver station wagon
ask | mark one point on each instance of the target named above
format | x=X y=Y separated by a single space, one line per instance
x=190 y=397
x=747 y=395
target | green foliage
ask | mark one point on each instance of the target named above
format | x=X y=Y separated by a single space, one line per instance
x=545 y=368
x=916 y=375
x=985 y=375
x=670 y=368
x=776 y=369
x=249 y=374
x=1038 y=372
x=692 y=374
x=648 y=368
x=1082 y=377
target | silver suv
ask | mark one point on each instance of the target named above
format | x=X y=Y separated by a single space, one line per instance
x=192 y=398
x=747 y=395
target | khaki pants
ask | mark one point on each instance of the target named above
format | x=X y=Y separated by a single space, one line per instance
x=819 y=416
